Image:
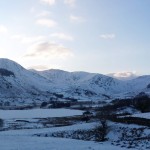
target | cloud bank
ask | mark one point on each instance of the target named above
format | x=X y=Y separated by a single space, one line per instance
x=48 y=50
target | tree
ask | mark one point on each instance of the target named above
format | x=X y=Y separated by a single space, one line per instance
x=104 y=127
x=44 y=104
x=142 y=103
x=101 y=131
x=1 y=123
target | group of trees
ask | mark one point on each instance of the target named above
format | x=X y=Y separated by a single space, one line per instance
x=4 y=72
x=108 y=112
x=1 y=123
x=55 y=104
x=102 y=130
x=58 y=104
x=140 y=102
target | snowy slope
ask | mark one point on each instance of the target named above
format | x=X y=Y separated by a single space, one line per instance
x=84 y=84
x=142 y=82
x=142 y=115
x=18 y=82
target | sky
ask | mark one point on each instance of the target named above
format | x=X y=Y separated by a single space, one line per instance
x=100 y=36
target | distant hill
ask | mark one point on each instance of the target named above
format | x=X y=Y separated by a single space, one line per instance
x=20 y=84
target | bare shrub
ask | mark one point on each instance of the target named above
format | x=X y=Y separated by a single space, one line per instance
x=1 y=123
x=101 y=131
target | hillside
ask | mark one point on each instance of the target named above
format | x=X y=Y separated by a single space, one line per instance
x=17 y=82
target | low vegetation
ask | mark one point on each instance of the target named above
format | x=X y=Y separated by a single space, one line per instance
x=4 y=72
x=140 y=103
x=1 y=123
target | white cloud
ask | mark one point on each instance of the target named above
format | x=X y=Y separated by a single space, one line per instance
x=47 y=22
x=124 y=75
x=70 y=3
x=39 y=67
x=48 y=50
x=107 y=36
x=44 y=14
x=76 y=19
x=49 y=2
x=3 y=29
x=62 y=36
x=45 y=67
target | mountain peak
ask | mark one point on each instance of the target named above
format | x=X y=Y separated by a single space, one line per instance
x=10 y=65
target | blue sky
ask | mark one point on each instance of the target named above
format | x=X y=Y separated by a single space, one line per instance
x=101 y=36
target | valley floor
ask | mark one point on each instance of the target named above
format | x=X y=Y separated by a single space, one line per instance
x=48 y=143
x=24 y=140
x=29 y=133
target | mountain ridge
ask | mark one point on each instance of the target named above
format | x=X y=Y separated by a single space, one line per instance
x=39 y=85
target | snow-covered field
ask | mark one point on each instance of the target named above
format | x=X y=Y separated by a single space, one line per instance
x=48 y=143
x=38 y=113
x=24 y=140
x=31 y=138
x=142 y=115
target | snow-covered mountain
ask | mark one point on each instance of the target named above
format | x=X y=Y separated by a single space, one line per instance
x=94 y=85
x=17 y=82
x=141 y=84
x=83 y=84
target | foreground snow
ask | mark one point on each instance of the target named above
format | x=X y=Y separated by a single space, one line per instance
x=36 y=139
x=142 y=115
x=47 y=143
x=24 y=140
x=38 y=113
